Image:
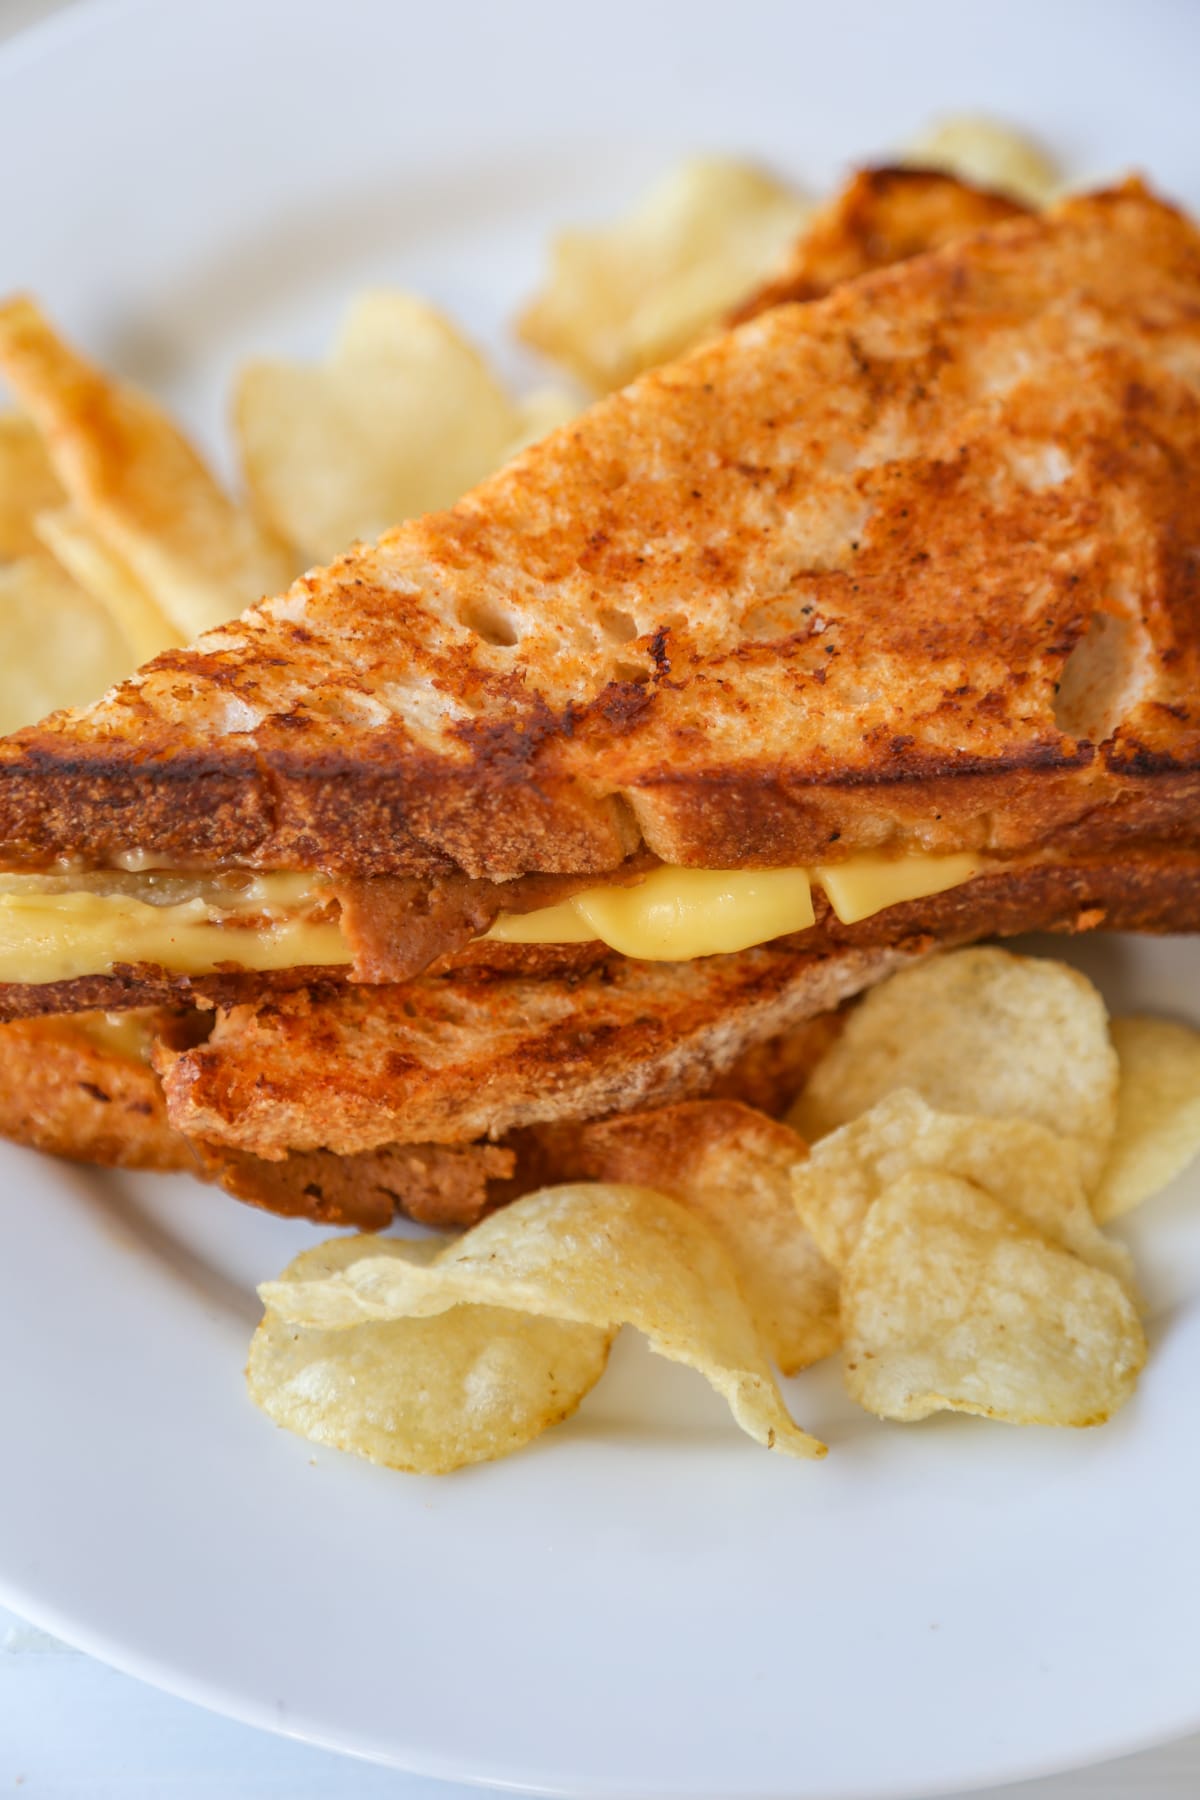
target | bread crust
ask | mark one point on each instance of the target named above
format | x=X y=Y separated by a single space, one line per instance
x=882 y=216
x=65 y=1090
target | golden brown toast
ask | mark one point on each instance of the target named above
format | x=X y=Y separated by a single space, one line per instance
x=466 y=1057
x=70 y=1088
x=905 y=567
x=77 y=1088
x=83 y=1089
x=881 y=216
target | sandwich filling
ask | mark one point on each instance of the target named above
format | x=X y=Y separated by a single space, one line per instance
x=60 y=927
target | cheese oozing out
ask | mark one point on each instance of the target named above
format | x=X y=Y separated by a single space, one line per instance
x=676 y=914
x=61 y=927
x=51 y=930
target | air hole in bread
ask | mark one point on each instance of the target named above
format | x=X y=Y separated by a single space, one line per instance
x=1103 y=678
x=629 y=671
x=782 y=616
x=619 y=627
x=488 y=622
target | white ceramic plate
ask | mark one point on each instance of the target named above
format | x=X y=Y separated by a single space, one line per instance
x=644 y=1604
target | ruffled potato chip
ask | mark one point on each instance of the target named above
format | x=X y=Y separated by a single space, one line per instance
x=732 y=1167
x=624 y=297
x=1158 y=1112
x=594 y=1254
x=952 y=1301
x=1023 y=1165
x=988 y=154
x=138 y=484
x=977 y=1031
x=28 y=485
x=426 y=1395
x=403 y=418
x=57 y=647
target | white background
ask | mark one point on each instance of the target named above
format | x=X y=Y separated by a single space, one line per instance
x=71 y=1727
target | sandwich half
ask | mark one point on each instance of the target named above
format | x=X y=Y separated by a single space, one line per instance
x=869 y=627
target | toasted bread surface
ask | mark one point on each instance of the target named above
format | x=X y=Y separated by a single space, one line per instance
x=812 y=590
x=448 y=1061
x=882 y=216
x=65 y=1090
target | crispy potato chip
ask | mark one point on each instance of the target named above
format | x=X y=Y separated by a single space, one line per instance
x=138 y=484
x=28 y=485
x=403 y=418
x=1023 y=1165
x=1158 y=1112
x=138 y=618
x=427 y=1395
x=623 y=297
x=596 y=1255
x=952 y=1301
x=732 y=1167
x=977 y=1031
x=57 y=647
x=987 y=154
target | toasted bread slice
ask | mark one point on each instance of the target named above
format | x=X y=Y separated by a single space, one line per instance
x=449 y=1061
x=906 y=567
x=882 y=216
x=83 y=1088
x=79 y=1088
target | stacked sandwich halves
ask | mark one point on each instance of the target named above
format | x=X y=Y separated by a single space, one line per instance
x=868 y=628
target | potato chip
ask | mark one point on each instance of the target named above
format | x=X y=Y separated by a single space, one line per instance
x=57 y=647
x=403 y=418
x=1158 y=1112
x=595 y=1254
x=732 y=1167
x=988 y=154
x=953 y=1302
x=977 y=1031
x=426 y=1395
x=1023 y=1165
x=28 y=485
x=623 y=297
x=138 y=618
x=138 y=484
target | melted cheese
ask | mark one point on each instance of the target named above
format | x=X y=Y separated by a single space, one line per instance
x=867 y=884
x=547 y=925
x=60 y=927
x=676 y=914
x=51 y=932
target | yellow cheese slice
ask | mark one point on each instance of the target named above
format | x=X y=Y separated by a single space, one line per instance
x=47 y=934
x=547 y=925
x=863 y=885
x=53 y=928
x=676 y=914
